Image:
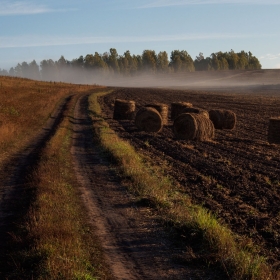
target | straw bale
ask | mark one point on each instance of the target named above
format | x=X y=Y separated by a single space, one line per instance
x=195 y=111
x=191 y=126
x=162 y=109
x=274 y=130
x=223 y=119
x=177 y=107
x=124 y=109
x=148 y=119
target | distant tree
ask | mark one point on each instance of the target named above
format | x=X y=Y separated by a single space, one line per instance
x=233 y=60
x=149 y=60
x=62 y=62
x=63 y=67
x=95 y=62
x=89 y=61
x=78 y=63
x=24 y=70
x=201 y=63
x=128 y=64
x=162 y=62
x=48 y=70
x=34 y=71
x=218 y=61
x=254 y=63
x=12 y=71
x=18 y=70
x=113 y=60
x=181 y=61
x=4 y=72
x=138 y=60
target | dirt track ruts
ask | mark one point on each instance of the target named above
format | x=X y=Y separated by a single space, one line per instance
x=135 y=244
x=15 y=192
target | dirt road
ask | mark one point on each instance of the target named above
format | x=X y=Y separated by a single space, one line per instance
x=136 y=246
x=135 y=243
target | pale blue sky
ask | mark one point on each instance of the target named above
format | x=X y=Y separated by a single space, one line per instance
x=48 y=29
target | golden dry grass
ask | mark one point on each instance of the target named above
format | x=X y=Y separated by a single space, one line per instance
x=25 y=105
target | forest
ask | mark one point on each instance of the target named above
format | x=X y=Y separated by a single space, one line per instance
x=129 y=65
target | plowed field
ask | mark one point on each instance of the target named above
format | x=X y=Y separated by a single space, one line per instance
x=237 y=175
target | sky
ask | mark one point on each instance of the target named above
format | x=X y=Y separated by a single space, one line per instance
x=44 y=29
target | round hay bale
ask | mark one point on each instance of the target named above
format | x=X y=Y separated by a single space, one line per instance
x=190 y=126
x=223 y=119
x=177 y=107
x=162 y=109
x=124 y=109
x=196 y=111
x=274 y=130
x=148 y=119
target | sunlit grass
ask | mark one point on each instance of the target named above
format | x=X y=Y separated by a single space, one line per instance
x=25 y=105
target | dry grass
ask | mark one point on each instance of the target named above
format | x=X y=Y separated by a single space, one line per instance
x=54 y=240
x=25 y=105
x=237 y=255
x=56 y=219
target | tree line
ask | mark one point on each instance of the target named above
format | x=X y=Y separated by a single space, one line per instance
x=129 y=65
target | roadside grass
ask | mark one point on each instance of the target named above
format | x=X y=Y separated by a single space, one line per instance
x=236 y=255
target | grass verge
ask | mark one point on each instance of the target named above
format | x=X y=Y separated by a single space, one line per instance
x=236 y=255
x=61 y=242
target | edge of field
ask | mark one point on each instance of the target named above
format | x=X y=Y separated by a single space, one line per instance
x=236 y=255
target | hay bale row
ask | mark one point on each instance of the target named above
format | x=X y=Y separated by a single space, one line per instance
x=191 y=126
x=178 y=107
x=148 y=119
x=162 y=109
x=274 y=130
x=124 y=109
x=223 y=119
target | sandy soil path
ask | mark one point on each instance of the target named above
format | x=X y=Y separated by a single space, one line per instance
x=135 y=244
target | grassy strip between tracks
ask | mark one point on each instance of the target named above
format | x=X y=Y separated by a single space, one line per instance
x=62 y=245
x=236 y=255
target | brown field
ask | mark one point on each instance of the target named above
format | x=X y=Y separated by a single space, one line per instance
x=51 y=159
x=237 y=175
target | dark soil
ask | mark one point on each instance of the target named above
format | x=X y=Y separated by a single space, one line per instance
x=136 y=244
x=237 y=175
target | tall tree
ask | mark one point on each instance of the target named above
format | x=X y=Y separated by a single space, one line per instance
x=162 y=62
x=34 y=71
x=48 y=70
x=113 y=60
x=181 y=61
x=149 y=60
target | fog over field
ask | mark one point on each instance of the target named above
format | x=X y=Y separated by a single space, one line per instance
x=190 y=80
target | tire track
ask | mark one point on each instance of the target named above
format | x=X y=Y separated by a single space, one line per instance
x=135 y=244
x=16 y=195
